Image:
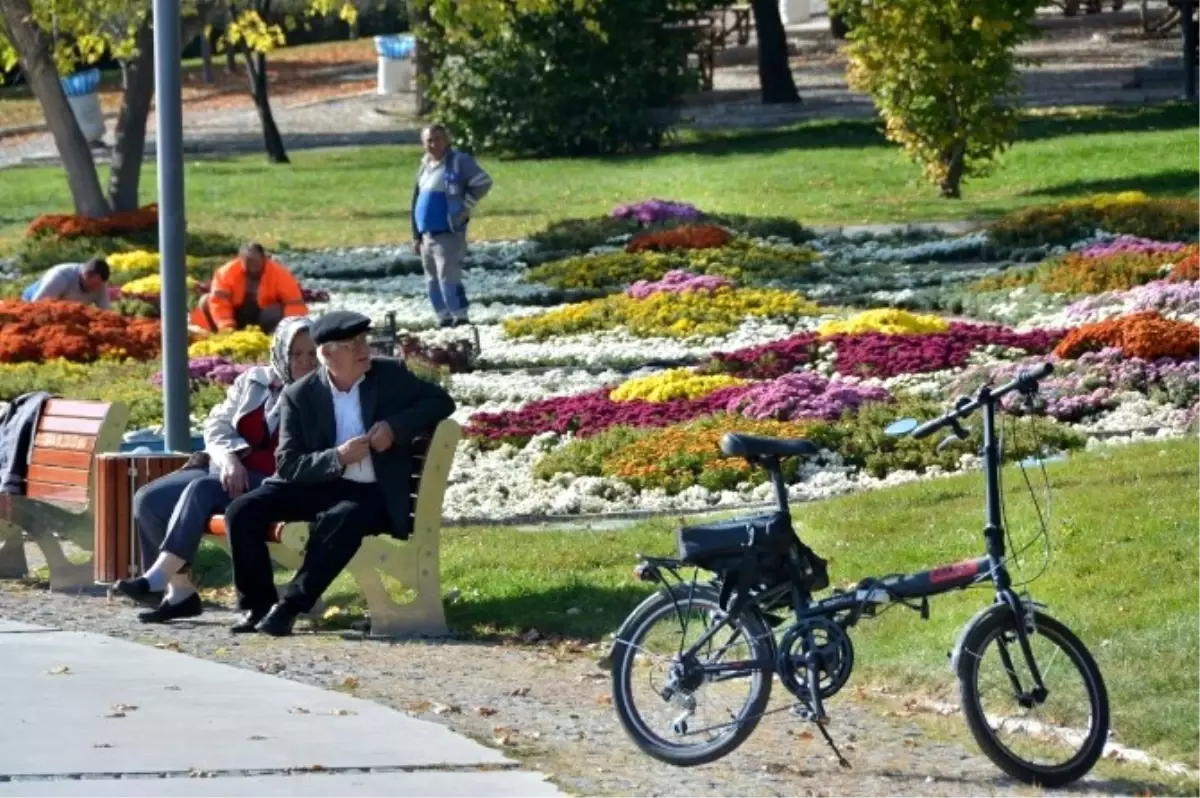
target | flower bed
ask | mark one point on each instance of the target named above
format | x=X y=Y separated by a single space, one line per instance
x=1144 y=335
x=116 y=224
x=210 y=369
x=666 y=386
x=1081 y=273
x=656 y=210
x=805 y=395
x=687 y=237
x=40 y=331
x=886 y=321
x=671 y=315
x=677 y=282
x=1130 y=213
x=250 y=345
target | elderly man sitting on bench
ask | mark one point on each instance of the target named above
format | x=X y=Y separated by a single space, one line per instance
x=343 y=463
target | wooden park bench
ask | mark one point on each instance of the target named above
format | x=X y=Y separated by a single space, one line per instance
x=60 y=501
x=413 y=565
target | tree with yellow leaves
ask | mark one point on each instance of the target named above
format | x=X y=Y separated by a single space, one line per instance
x=254 y=29
x=943 y=74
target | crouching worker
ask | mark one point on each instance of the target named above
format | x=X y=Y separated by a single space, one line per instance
x=240 y=436
x=251 y=290
x=343 y=464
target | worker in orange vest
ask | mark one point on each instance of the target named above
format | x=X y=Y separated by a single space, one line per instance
x=249 y=290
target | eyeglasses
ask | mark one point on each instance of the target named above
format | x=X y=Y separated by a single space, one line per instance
x=357 y=342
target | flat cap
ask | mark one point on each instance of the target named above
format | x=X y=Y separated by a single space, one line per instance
x=338 y=325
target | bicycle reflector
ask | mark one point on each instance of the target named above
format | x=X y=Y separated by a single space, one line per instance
x=645 y=572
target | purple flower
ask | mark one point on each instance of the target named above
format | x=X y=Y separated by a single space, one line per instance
x=677 y=281
x=656 y=210
x=804 y=394
x=1131 y=245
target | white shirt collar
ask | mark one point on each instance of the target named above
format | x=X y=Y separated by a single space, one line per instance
x=339 y=392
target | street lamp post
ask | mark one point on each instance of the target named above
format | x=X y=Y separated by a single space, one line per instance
x=171 y=225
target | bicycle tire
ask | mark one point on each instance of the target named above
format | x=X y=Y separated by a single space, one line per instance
x=758 y=638
x=977 y=640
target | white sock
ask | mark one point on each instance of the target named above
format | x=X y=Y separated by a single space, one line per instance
x=177 y=593
x=157 y=576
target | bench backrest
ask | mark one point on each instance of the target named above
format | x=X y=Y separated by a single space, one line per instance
x=69 y=435
x=433 y=455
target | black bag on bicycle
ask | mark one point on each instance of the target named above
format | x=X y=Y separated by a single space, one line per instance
x=751 y=552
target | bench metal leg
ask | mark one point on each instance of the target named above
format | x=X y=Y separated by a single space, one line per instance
x=47 y=526
x=13 y=564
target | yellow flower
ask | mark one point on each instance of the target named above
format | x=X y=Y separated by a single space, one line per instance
x=150 y=284
x=249 y=344
x=888 y=321
x=672 y=384
x=139 y=260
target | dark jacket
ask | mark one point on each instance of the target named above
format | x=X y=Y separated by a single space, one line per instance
x=18 y=423
x=307 y=451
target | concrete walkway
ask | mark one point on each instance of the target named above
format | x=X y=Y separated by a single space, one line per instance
x=82 y=714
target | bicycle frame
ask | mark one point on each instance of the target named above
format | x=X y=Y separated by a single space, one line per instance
x=872 y=593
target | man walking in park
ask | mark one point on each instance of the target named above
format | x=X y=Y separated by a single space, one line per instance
x=449 y=184
x=74 y=282
x=250 y=290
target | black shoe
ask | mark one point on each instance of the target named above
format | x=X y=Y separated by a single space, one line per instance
x=460 y=323
x=445 y=324
x=279 y=621
x=137 y=589
x=190 y=607
x=248 y=622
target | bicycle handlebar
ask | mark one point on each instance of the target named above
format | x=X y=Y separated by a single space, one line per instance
x=1025 y=382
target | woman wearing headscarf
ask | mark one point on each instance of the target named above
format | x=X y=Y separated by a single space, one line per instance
x=240 y=435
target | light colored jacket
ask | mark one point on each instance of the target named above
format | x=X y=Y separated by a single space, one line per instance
x=250 y=391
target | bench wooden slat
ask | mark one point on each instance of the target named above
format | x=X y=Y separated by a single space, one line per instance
x=59 y=440
x=64 y=494
x=58 y=476
x=72 y=409
x=63 y=458
x=79 y=426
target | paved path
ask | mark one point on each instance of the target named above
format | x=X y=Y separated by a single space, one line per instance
x=85 y=714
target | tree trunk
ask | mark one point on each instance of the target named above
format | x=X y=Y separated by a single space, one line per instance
x=126 y=170
x=230 y=61
x=774 y=72
x=206 y=59
x=256 y=68
x=421 y=23
x=951 y=184
x=40 y=72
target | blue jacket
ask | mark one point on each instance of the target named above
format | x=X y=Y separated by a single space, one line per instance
x=445 y=193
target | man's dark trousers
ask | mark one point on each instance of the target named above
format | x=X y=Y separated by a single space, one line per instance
x=342 y=513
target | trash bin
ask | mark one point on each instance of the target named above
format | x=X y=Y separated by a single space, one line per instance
x=395 y=63
x=80 y=89
x=793 y=12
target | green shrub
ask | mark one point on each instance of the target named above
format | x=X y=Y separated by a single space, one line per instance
x=560 y=83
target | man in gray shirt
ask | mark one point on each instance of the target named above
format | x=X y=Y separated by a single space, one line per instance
x=74 y=282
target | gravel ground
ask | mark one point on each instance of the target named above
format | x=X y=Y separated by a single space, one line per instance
x=548 y=704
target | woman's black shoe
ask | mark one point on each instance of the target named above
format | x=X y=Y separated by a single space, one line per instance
x=137 y=589
x=190 y=607
x=248 y=621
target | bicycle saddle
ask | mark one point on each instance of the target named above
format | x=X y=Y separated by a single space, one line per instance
x=735 y=444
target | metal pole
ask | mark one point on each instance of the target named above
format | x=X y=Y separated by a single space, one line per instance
x=171 y=224
x=1189 y=48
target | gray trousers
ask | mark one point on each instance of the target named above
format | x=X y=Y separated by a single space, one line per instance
x=442 y=256
x=172 y=512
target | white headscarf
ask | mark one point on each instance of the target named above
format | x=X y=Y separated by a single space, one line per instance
x=281 y=363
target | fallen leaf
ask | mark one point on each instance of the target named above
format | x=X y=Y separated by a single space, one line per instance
x=506 y=740
x=446 y=709
x=534 y=735
x=350 y=682
x=604 y=700
x=124 y=708
x=102 y=745
x=485 y=712
x=173 y=687
x=256 y=737
x=115 y=715
x=520 y=692
x=332 y=613
x=805 y=736
x=591 y=677
x=911 y=743
x=420 y=706
x=298 y=711
x=503 y=730
x=221 y=652
x=342 y=712
x=59 y=670
x=532 y=636
x=172 y=646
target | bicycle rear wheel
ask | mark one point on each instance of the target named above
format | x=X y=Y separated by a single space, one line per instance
x=1050 y=742
x=674 y=710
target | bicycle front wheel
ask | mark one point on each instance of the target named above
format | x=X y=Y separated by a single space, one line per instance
x=1049 y=739
x=690 y=710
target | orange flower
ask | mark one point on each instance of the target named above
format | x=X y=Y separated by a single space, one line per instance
x=1146 y=335
x=38 y=331
x=704 y=236
x=1187 y=270
x=115 y=224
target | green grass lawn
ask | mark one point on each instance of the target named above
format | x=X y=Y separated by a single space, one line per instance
x=827 y=172
x=1124 y=576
